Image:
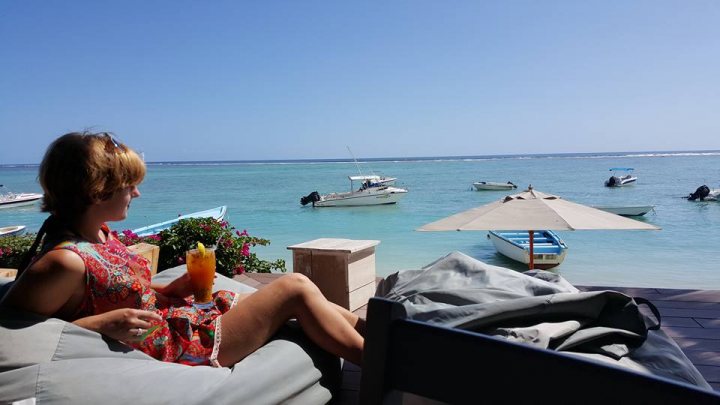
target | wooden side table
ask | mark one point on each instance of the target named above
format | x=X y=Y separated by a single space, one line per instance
x=148 y=251
x=343 y=269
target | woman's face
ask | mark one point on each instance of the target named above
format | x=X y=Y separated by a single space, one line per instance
x=116 y=207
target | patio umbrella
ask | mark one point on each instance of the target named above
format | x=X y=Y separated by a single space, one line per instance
x=534 y=210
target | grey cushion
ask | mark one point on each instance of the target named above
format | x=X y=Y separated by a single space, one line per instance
x=57 y=362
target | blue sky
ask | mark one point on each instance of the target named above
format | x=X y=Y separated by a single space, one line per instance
x=226 y=80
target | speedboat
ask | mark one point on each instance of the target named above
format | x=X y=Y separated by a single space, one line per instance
x=491 y=185
x=627 y=210
x=705 y=193
x=217 y=213
x=620 y=180
x=14 y=230
x=369 y=193
x=548 y=249
x=12 y=200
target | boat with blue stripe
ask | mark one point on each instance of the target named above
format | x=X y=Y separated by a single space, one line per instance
x=548 y=249
x=217 y=213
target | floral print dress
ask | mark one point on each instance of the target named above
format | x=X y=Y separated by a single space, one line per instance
x=117 y=278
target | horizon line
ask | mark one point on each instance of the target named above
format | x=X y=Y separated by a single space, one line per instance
x=411 y=158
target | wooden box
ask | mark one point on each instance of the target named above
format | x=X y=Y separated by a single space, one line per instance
x=8 y=273
x=343 y=269
x=148 y=251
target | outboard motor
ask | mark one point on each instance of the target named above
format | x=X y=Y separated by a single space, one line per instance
x=310 y=198
x=700 y=193
x=512 y=184
x=612 y=181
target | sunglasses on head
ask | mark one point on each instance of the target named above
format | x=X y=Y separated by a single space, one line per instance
x=111 y=143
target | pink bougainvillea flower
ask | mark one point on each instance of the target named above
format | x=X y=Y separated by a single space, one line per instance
x=239 y=269
x=155 y=237
x=244 y=233
x=246 y=250
x=237 y=233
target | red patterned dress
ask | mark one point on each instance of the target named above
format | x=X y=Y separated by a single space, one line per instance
x=117 y=278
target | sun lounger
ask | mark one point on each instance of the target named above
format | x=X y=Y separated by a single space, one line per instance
x=462 y=367
x=54 y=361
x=457 y=337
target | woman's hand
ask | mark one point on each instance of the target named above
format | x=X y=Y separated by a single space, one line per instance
x=125 y=324
x=178 y=288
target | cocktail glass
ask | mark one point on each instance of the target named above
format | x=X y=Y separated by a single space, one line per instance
x=201 y=267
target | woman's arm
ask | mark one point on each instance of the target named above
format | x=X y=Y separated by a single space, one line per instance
x=56 y=283
x=49 y=284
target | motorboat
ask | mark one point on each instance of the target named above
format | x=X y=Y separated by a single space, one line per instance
x=12 y=200
x=368 y=193
x=491 y=185
x=14 y=230
x=217 y=213
x=548 y=249
x=620 y=180
x=627 y=210
x=705 y=193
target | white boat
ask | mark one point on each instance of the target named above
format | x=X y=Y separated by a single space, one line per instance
x=621 y=180
x=369 y=193
x=15 y=230
x=548 y=249
x=627 y=210
x=705 y=193
x=491 y=185
x=218 y=213
x=12 y=200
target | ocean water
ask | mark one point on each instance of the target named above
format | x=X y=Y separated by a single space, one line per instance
x=263 y=197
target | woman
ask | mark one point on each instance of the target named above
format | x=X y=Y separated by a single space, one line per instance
x=86 y=276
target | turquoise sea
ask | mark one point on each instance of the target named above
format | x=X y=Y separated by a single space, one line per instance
x=263 y=197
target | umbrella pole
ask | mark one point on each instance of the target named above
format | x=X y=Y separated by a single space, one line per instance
x=532 y=254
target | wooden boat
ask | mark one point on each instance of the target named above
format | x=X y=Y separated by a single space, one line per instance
x=621 y=180
x=12 y=200
x=548 y=249
x=217 y=213
x=369 y=193
x=627 y=210
x=491 y=185
x=14 y=230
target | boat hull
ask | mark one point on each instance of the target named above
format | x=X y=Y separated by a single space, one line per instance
x=16 y=230
x=621 y=181
x=490 y=186
x=217 y=213
x=548 y=249
x=628 y=211
x=19 y=200
x=379 y=196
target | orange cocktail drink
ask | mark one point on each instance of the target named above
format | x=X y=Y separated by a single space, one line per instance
x=201 y=267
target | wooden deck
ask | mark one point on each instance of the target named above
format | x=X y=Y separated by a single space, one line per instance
x=690 y=317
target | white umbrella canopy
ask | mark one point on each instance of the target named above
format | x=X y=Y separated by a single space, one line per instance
x=534 y=210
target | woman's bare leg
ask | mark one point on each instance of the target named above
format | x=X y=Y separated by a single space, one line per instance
x=252 y=322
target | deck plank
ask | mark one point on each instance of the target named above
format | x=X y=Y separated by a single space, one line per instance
x=709 y=323
x=711 y=373
x=690 y=317
x=691 y=333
